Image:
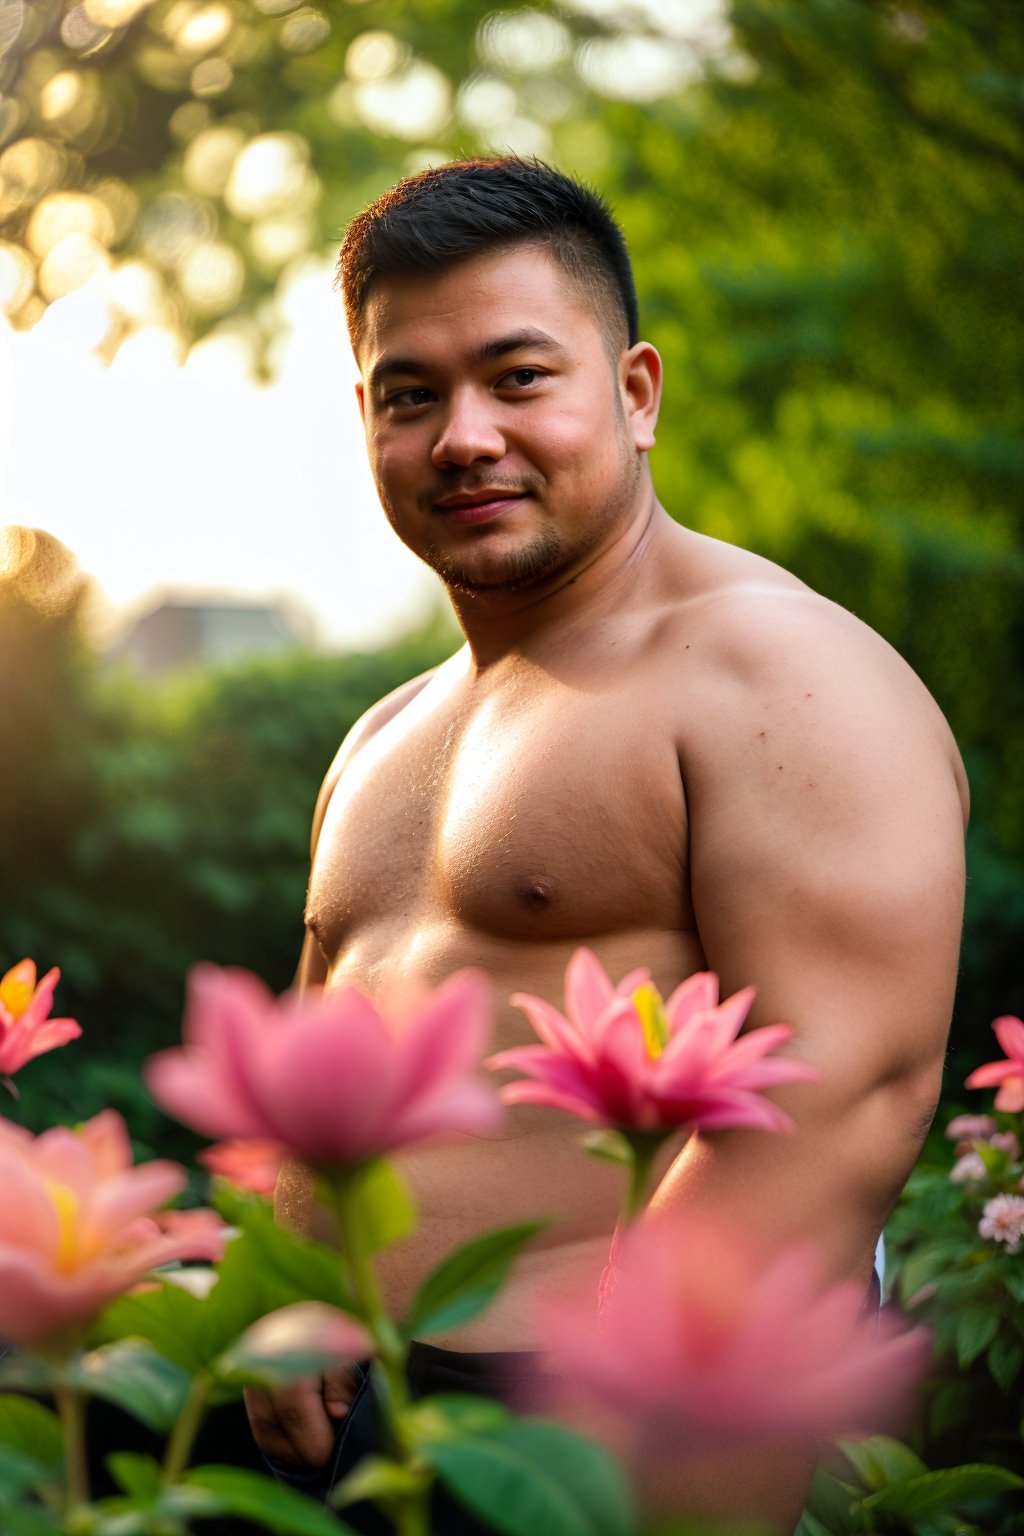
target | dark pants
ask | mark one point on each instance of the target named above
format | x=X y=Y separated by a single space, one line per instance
x=502 y=1376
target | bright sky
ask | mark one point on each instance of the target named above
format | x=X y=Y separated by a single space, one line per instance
x=196 y=478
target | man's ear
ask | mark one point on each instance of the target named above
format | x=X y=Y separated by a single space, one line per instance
x=362 y=402
x=640 y=381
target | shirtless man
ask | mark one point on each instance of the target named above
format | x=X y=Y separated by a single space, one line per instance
x=652 y=743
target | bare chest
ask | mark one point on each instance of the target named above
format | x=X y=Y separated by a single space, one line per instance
x=551 y=815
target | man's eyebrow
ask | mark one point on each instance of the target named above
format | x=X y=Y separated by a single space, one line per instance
x=527 y=337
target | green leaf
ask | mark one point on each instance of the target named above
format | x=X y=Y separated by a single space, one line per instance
x=610 y=1146
x=29 y=1373
x=264 y=1268
x=975 y=1331
x=534 y=1478
x=1014 y=1282
x=131 y=1374
x=137 y=1475
x=32 y=1429
x=30 y=1520
x=834 y=1503
x=257 y=1497
x=306 y=1270
x=380 y=1204
x=809 y=1526
x=379 y=1479
x=1004 y=1358
x=467 y=1280
x=452 y=1415
x=880 y=1461
x=20 y=1472
x=937 y=1492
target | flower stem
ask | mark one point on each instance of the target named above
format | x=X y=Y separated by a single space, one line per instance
x=409 y=1512
x=390 y=1350
x=644 y=1148
x=71 y=1407
x=185 y=1429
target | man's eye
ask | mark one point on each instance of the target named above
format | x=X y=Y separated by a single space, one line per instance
x=522 y=378
x=406 y=397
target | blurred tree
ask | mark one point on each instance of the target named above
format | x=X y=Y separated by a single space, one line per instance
x=154 y=826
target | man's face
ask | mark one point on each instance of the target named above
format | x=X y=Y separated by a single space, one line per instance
x=497 y=424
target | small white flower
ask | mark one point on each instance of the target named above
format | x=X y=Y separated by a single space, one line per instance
x=1003 y=1221
x=969 y=1169
x=1006 y=1141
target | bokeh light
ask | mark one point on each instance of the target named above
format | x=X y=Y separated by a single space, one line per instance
x=523 y=41
x=411 y=104
x=271 y=175
x=305 y=31
x=374 y=56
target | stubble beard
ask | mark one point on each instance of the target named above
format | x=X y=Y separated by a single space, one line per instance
x=541 y=560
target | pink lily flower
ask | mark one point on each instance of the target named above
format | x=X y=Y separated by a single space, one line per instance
x=697 y=1344
x=251 y=1165
x=327 y=1075
x=77 y=1225
x=620 y=1057
x=26 y=1029
x=1009 y=1074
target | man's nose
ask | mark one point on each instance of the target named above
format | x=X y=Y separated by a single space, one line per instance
x=469 y=431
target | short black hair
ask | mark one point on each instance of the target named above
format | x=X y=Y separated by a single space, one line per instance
x=431 y=221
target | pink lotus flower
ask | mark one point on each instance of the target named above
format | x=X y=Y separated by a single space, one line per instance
x=621 y=1057
x=698 y=1343
x=75 y=1224
x=26 y=1029
x=1009 y=1074
x=326 y=1075
x=251 y=1165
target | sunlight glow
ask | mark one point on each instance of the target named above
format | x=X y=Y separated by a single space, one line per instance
x=199 y=479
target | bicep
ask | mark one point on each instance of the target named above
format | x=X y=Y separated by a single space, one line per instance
x=827 y=871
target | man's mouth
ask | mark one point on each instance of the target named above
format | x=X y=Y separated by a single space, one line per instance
x=463 y=507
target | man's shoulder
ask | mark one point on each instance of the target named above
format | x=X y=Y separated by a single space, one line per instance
x=753 y=625
x=753 y=648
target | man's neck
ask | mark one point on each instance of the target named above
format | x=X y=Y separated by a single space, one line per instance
x=499 y=621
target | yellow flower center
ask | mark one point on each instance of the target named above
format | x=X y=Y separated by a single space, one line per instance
x=15 y=994
x=65 y=1204
x=653 y=1021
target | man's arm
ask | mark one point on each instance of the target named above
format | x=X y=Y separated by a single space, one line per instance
x=826 y=827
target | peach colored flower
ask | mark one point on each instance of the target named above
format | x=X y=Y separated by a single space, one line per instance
x=698 y=1343
x=76 y=1224
x=26 y=1029
x=1008 y=1074
x=251 y=1165
x=327 y=1075
x=621 y=1057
